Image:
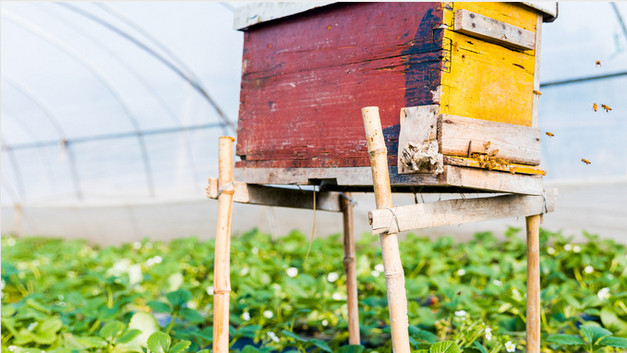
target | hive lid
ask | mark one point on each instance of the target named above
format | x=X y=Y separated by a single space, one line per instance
x=256 y=13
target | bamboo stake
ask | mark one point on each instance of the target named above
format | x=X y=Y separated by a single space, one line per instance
x=533 y=284
x=394 y=275
x=221 y=280
x=350 y=269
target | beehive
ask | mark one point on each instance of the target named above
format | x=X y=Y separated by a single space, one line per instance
x=307 y=71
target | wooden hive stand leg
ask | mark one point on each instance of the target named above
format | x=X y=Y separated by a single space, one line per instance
x=394 y=275
x=221 y=277
x=533 y=284
x=350 y=269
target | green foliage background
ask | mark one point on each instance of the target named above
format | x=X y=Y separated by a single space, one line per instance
x=59 y=295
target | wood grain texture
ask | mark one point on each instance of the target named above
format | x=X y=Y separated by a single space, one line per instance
x=515 y=143
x=306 y=77
x=350 y=267
x=419 y=125
x=533 y=284
x=390 y=252
x=509 y=168
x=459 y=211
x=222 y=259
x=278 y=197
x=453 y=176
x=486 y=80
x=492 y=30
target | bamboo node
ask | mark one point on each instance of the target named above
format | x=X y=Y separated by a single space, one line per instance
x=222 y=291
x=373 y=152
x=349 y=259
x=224 y=189
x=394 y=275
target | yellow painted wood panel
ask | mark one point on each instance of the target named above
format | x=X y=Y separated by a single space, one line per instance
x=485 y=80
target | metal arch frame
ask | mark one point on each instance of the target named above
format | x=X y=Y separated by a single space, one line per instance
x=102 y=78
x=151 y=91
x=16 y=169
x=196 y=85
x=55 y=122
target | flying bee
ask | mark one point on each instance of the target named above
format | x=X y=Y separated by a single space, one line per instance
x=537 y=93
x=550 y=134
x=606 y=107
x=494 y=152
x=595 y=107
x=487 y=145
x=585 y=161
x=598 y=63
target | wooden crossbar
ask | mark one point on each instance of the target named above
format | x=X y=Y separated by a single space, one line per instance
x=426 y=215
x=279 y=197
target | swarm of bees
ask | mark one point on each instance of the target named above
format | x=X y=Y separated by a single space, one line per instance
x=488 y=159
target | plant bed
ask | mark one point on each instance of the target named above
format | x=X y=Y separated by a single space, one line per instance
x=67 y=296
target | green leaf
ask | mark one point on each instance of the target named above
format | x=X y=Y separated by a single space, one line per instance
x=445 y=347
x=85 y=342
x=422 y=335
x=128 y=336
x=159 y=307
x=159 y=342
x=480 y=347
x=612 y=321
x=351 y=348
x=248 y=349
x=192 y=315
x=569 y=340
x=611 y=341
x=144 y=322
x=321 y=344
x=594 y=333
x=179 y=347
x=179 y=297
x=111 y=330
x=291 y=334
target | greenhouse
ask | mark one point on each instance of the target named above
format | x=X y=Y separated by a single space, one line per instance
x=490 y=218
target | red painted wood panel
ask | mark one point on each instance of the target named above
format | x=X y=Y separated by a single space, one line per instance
x=306 y=77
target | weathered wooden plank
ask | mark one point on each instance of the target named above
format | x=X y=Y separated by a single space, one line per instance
x=472 y=178
x=459 y=211
x=260 y=12
x=306 y=77
x=279 y=197
x=486 y=80
x=487 y=28
x=417 y=143
x=510 y=167
x=514 y=143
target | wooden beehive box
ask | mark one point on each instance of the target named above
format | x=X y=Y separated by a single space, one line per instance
x=457 y=81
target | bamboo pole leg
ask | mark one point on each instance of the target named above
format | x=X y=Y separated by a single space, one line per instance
x=394 y=275
x=221 y=280
x=533 y=284
x=350 y=269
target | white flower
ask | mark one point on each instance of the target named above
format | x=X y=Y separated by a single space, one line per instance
x=119 y=268
x=11 y=242
x=268 y=314
x=379 y=268
x=461 y=272
x=255 y=251
x=610 y=276
x=332 y=277
x=497 y=282
x=604 y=293
x=192 y=304
x=550 y=251
x=292 y=272
x=337 y=296
x=246 y=316
x=325 y=323
x=209 y=290
x=516 y=293
x=460 y=313
x=154 y=260
x=71 y=274
x=2 y=284
x=244 y=271
x=32 y=326
x=568 y=247
x=576 y=248
x=375 y=273
x=135 y=274
x=12 y=348
x=273 y=336
x=137 y=245
x=488 y=333
x=510 y=346
x=588 y=269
